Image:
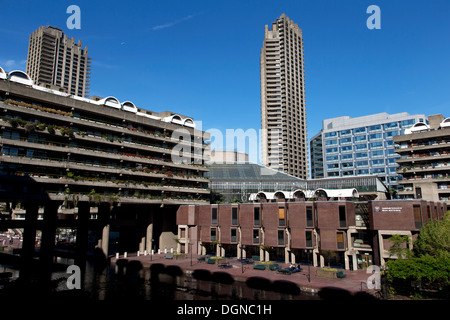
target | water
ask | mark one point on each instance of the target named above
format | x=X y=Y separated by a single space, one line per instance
x=170 y=283
x=167 y=283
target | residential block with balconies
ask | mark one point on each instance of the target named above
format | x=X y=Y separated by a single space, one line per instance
x=424 y=161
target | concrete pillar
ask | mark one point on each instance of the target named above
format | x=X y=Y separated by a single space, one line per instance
x=81 y=245
x=266 y=255
x=149 y=237
x=105 y=240
x=104 y=211
x=29 y=236
x=48 y=241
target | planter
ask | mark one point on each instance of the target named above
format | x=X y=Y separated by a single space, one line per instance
x=217 y=260
x=179 y=256
x=326 y=273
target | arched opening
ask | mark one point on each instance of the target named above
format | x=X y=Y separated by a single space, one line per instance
x=20 y=77
x=279 y=195
x=445 y=123
x=320 y=193
x=111 y=102
x=3 y=74
x=261 y=196
x=129 y=106
x=299 y=194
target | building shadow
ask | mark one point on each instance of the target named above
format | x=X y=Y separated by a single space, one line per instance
x=333 y=294
x=222 y=277
x=202 y=274
x=285 y=286
x=259 y=283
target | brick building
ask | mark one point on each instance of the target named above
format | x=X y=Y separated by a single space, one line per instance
x=350 y=234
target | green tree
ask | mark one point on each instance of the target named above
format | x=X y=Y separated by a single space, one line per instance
x=430 y=262
x=399 y=247
x=427 y=268
x=434 y=238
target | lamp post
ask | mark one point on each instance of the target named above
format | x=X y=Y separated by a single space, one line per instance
x=242 y=257
x=309 y=265
x=190 y=249
x=151 y=251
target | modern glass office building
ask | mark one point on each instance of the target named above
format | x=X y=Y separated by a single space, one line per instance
x=360 y=146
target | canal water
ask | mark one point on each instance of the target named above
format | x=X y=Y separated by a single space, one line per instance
x=132 y=281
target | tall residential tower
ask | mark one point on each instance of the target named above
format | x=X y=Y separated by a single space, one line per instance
x=283 y=107
x=55 y=60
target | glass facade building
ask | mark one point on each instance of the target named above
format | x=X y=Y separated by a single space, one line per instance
x=360 y=146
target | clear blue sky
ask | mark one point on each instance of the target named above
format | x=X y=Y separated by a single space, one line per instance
x=201 y=58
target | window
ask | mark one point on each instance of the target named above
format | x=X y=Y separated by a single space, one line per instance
x=281 y=217
x=342 y=217
x=330 y=134
x=308 y=237
x=377 y=154
x=375 y=136
x=332 y=158
x=362 y=164
x=346 y=149
x=360 y=138
x=255 y=236
x=213 y=215
x=256 y=216
x=361 y=155
x=281 y=237
x=390 y=134
x=417 y=216
x=375 y=128
x=340 y=240
x=407 y=123
x=309 y=216
x=376 y=145
x=362 y=172
x=233 y=235
x=331 y=150
x=213 y=234
x=347 y=157
x=377 y=162
x=390 y=125
x=359 y=130
x=234 y=216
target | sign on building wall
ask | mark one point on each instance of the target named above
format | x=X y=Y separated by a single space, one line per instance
x=387 y=209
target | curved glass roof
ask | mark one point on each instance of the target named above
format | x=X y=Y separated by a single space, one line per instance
x=247 y=172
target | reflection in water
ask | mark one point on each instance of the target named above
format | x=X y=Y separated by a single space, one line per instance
x=130 y=280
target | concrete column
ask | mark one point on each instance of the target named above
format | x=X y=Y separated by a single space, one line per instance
x=315 y=255
x=48 y=241
x=81 y=245
x=149 y=237
x=261 y=254
x=105 y=240
x=104 y=212
x=29 y=236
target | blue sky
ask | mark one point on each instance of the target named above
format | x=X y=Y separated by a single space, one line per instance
x=201 y=58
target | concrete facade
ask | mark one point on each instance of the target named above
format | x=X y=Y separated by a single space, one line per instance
x=360 y=146
x=283 y=106
x=115 y=174
x=57 y=61
x=424 y=162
